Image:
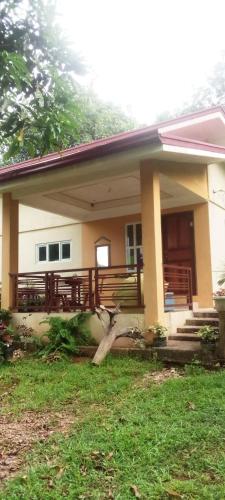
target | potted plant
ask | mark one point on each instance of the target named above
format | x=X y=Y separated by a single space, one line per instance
x=219 y=299
x=159 y=335
x=209 y=336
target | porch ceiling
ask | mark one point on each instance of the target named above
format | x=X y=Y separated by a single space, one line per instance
x=108 y=197
x=104 y=187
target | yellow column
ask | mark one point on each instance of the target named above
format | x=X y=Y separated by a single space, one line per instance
x=203 y=256
x=152 y=244
x=10 y=230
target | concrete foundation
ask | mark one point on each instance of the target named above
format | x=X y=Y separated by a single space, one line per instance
x=172 y=320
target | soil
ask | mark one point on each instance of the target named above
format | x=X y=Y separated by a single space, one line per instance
x=159 y=377
x=18 y=436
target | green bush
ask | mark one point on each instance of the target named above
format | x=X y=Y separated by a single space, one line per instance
x=66 y=335
x=5 y=316
x=208 y=333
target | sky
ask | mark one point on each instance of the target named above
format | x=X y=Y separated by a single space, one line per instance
x=143 y=55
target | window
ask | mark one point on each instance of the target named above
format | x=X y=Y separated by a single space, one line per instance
x=102 y=255
x=53 y=252
x=42 y=253
x=134 y=243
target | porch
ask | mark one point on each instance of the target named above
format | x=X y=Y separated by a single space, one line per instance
x=143 y=179
x=72 y=290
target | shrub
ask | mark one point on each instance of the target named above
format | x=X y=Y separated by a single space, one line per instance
x=5 y=316
x=208 y=333
x=158 y=330
x=66 y=335
x=5 y=334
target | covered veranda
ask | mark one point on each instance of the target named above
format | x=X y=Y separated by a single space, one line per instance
x=141 y=172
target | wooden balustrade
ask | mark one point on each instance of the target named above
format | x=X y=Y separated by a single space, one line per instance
x=178 y=287
x=85 y=288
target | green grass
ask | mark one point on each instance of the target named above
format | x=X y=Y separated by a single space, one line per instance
x=168 y=439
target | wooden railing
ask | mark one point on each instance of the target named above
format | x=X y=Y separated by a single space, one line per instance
x=86 y=288
x=178 y=287
x=78 y=289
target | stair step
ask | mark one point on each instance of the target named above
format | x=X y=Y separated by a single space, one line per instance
x=205 y=314
x=191 y=337
x=189 y=329
x=203 y=321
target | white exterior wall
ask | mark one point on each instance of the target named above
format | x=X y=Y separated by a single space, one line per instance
x=37 y=226
x=216 y=179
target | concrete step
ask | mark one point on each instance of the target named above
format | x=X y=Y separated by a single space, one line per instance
x=203 y=321
x=190 y=337
x=188 y=329
x=210 y=313
x=181 y=353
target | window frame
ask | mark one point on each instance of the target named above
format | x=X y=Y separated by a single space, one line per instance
x=134 y=246
x=46 y=245
x=109 y=254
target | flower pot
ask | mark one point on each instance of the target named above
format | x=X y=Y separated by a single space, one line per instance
x=208 y=345
x=149 y=338
x=160 y=342
x=219 y=303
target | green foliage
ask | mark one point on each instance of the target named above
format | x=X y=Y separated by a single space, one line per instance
x=66 y=335
x=5 y=315
x=42 y=107
x=159 y=331
x=5 y=334
x=36 y=80
x=166 y=439
x=101 y=119
x=194 y=368
x=208 y=333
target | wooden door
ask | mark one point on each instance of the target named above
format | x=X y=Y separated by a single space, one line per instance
x=178 y=241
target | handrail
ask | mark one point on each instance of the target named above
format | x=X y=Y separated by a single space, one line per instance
x=78 y=289
x=120 y=266
x=87 y=287
x=178 y=282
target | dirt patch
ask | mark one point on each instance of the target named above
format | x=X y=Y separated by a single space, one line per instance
x=18 y=436
x=159 y=377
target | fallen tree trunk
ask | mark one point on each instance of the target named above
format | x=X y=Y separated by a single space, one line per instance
x=108 y=320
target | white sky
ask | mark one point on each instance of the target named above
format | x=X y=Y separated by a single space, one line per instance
x=145 y=55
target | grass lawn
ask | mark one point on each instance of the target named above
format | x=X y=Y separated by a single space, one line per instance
x=130 y=437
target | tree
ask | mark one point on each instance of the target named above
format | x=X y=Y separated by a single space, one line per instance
x=210 y=94
x=42 y=107
x=36 y=80
x=213 y=92
x=102 y=119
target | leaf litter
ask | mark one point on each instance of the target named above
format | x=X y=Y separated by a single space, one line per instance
x=159 y=377
x=17 y=436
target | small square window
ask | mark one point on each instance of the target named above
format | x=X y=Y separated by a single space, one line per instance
x=65 y=250
x=42 y=254
x=53 y=252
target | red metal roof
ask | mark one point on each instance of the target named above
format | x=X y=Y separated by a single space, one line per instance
x=99 y=148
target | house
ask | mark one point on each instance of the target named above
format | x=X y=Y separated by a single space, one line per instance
x=137 y=218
